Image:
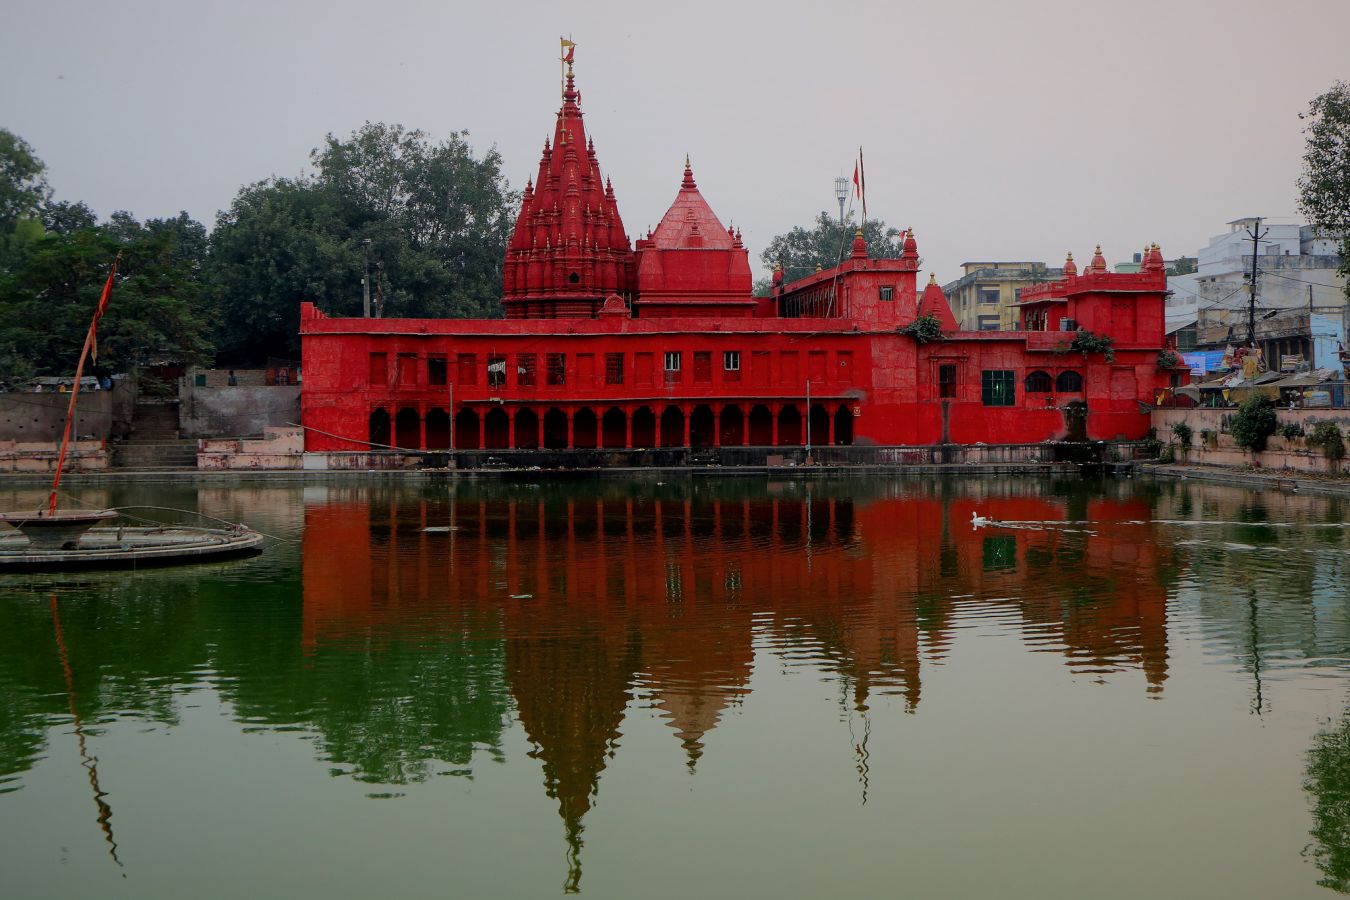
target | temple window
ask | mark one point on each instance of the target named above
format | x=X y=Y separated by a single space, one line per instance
x=557 y=368
x=947 y=381
x=998 y=387
x=525 y=368
x=702 y=367
x=496 y=371
x=613 y=368
x=672 y=360
x=1038 y=383
x=1069 y=382
x=888 y=292
x=731 y=361
x=468 y=369
x=405 y=370
x=437 y=371
x=379 y=369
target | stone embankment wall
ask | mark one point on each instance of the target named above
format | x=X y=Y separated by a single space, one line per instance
x=24 y=456
x=278 y=448
x=40 y=418
x=1219 y=449
x=239 y=411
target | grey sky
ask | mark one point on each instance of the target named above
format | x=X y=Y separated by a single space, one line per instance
x=999 y=129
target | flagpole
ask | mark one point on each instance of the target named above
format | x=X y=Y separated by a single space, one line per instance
x=75 y=388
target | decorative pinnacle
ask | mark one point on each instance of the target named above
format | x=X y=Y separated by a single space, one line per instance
x=932 y=278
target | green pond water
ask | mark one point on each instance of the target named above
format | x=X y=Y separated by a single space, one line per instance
x=708 y=688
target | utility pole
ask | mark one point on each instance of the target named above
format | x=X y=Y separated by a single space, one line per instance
x=841 y=194
x=1256 y=234
x=365 y=279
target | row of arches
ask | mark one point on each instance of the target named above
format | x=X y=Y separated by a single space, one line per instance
x=616 y=428
x=1067 y=382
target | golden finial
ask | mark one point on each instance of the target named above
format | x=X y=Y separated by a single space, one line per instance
x=686 y=160
x=932 y=278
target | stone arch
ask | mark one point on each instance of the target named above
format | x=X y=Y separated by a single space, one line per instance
x=585 y=430
x=731 y=426
x=614 y=429
x=789 y=426
x=843 y=426
x=379 y=430
x=1069 y=382
x=1039 y=382
x=466 y=429
x=407 y=429
x=760 y=426
x=672 y=427
x=820 y=425
x=644 y=427
x=555 y=429
x=702 y=426
x=527 y=429
x=496 y=429
x=438 y=429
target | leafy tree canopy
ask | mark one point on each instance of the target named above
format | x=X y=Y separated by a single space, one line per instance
x=1324 y=186
x=51 y=284
x=23 y=187
x=436 y=217
x=824 y=244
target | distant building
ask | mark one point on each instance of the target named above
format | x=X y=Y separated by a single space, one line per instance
x=1299 y=290
x=985 y=297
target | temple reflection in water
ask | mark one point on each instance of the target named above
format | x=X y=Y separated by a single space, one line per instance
x=668 y=592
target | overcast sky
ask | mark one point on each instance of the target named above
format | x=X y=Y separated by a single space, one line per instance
x=997 y=129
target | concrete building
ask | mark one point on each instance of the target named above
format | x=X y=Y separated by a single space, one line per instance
x=985 y=297
x=1299 y=289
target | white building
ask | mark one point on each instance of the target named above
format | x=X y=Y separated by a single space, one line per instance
x=1297 y=278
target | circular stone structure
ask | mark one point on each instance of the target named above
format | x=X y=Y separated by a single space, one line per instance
x=124 y=546
x=56 y=530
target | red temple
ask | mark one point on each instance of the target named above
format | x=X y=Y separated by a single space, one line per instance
x=660 y=343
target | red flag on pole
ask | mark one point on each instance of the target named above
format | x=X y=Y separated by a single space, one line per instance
x=862 y=185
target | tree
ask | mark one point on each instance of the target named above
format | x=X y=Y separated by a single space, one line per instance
x=1253 y=423
x=1324 y=186
x=23 y=188
x=52 y=282
x=801 y=250
x=437 y=219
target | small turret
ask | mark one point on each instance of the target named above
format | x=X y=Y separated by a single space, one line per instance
x=1098 y=261
x=1070 y=267
x=910 y=249
x=859 y=246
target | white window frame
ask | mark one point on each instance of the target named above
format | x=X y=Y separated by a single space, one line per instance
x=887 y=292
x=673 y=360
x=731 y=360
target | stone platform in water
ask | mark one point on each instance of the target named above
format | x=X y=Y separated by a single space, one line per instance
x=129 y=546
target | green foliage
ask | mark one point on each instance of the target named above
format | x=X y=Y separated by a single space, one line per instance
x=1254 y=423
x=1291 y=430
x=22 y=185
x=825 y=243
x=1184 y=265
x=1168 y=359
x=1209 y=437
x=437 y=219
x=50 y=285
x=1182 y=432
x=1086 y=342
x=924 y=329
x=1324 y=185
x=1328 y=781
x=1327 y=436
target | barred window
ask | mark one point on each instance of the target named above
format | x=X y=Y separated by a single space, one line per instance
x=525 y=369
x=557 y=368
x=888 y=292
x=613 y=368
x=998 y=387
x=1038 y=383
x=496 y=371
x=947 y=381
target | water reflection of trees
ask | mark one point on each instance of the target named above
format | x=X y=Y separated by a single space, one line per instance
x=1328 y=780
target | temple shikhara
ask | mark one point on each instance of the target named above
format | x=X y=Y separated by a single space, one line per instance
x=658 y=342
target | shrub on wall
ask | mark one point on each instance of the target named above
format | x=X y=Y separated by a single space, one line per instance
x=1086 y=342
x=1182 y=432
x=1254 y=423
x=924 y=329
x=1327 y=437
x=1168 y=360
